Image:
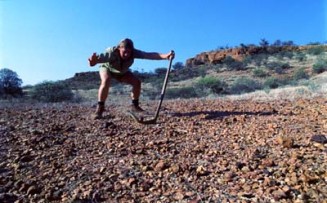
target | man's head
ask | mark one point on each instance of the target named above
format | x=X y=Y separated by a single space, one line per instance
x=126 y=48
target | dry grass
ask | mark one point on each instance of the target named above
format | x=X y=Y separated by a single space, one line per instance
x=316 y=87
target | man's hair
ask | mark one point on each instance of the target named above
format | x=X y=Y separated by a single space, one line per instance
x=127 y=43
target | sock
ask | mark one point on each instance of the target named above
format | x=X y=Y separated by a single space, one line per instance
x=135 y=102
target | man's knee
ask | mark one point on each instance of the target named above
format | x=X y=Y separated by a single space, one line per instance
x=137 y=82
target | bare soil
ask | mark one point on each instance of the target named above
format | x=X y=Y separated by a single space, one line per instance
x=199 y=151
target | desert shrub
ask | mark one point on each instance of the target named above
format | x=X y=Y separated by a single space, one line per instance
x=160 y=74
x=188 y=73
x=160 y=71
x=273 y=65
x=259 y=72
x=301 y=57
x=316 y=50
x=278 y=67
x=237 y=65
x=247 y=60
x=10 y=83
x=218 y=67
x=244 y=85
x=178 y=66
x=233 y=64
x=300 y=74
x=151 y=78
x=273 y=83
x=183 y=92
x=287 y=54
x=52 y=92
x=286 y=66
x=260 y=59
x=320 y=66
x=284 y=54
x=201 y=71
x=210 y=84
x=228 y=60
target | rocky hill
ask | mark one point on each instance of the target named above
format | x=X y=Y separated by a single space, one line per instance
x=239 y=53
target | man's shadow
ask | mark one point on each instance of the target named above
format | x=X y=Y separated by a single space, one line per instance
x=221 y=114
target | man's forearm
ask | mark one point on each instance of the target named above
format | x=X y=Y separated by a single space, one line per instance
x=155 y=56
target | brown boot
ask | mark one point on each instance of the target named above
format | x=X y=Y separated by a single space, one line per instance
x=136 y=108
x=98 y=113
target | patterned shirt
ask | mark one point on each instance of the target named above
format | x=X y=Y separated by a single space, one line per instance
x=111 y=60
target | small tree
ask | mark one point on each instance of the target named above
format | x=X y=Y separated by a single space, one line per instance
x=178 y=66
x=160 y=71
x=288 y=43
x=277 y=43
x=264 y=43
x=10 y=83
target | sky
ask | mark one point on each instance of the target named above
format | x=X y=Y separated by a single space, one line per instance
x=50 y=40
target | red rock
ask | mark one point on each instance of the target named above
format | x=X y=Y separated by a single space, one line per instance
x=278 y=195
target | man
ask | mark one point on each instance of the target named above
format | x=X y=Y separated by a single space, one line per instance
x=115 y=63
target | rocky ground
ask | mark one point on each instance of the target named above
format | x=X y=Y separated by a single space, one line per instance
x=199 y=151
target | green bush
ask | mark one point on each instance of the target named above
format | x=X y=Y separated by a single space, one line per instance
x=320 y=66
x=316 y=50
x=287 y=54
x=52 y=92
x=260 y=59
x=211 y=84
x=160 y=71
x=300 y=74
x=218 y=67
x=244 y=85
x=301 y=57
x=278 y=67
x=259 y=72
x=247 y=60
x=273 y=83
x=183 y=92
x=233 y=64
x=188 y=73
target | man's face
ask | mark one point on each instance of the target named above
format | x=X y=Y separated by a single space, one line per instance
x=125 y=53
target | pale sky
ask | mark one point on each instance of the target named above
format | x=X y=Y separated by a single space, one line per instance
x=51 y=40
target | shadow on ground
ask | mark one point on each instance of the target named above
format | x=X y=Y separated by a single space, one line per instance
x=221 y=114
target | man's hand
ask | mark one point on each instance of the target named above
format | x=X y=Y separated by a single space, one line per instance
x=93 y=60
x=171 y=55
